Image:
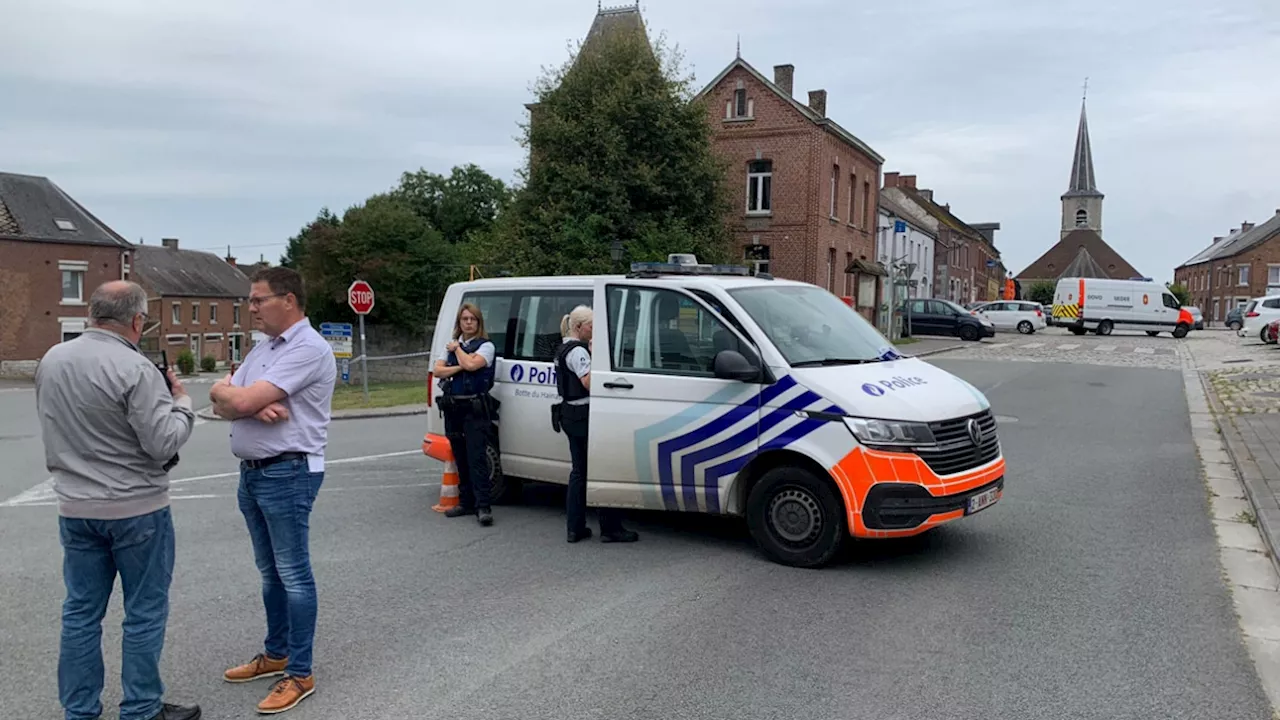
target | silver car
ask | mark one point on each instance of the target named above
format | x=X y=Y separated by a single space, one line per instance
x=1196 y=315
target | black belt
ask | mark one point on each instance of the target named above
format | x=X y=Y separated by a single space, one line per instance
x=282 y=457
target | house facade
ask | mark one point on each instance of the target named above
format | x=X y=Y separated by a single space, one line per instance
x=1242 y=265
x=55 y=254
x=196 y=300
x=907 y=236
x=809 y=189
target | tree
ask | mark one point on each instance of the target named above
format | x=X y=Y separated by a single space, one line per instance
x=1180 y=291
x=618 y=152
x=297 y=248
x=465 y=202
x=1042 y=292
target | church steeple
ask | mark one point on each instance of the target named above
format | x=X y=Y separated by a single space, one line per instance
x=1082 y=203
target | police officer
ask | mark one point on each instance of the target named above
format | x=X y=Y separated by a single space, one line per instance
x=466 y=379
x=573 y=381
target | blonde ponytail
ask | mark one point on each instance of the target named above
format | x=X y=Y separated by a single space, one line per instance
x=564 y=326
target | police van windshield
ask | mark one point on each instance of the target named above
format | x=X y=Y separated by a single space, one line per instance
x=810 y=326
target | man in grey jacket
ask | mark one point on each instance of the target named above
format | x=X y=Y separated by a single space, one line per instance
x=110 y=426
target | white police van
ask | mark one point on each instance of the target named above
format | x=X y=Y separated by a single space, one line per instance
x=718 y=391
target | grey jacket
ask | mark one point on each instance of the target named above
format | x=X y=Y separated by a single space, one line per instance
x=109 y=426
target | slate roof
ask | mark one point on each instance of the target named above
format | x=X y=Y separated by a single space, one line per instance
x=1055 y=261
x=614 y=22
x=1083 y=265
x=187 y=273
x=33 y=207
x=945 y=217
x=1083 y=182
x=808 y=112
x=1238 y=241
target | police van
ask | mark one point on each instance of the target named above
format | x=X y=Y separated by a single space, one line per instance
x=716 y=390
x=1103 y=305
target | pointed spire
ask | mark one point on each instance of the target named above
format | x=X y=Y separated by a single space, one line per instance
x=1083 y=181
x=739 y=53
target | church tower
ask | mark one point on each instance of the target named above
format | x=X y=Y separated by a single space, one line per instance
x=1082 y=203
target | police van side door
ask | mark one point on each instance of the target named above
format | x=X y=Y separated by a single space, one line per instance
x=661 y=422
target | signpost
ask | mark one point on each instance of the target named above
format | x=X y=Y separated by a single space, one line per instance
x=360 y=298
x=339 y=337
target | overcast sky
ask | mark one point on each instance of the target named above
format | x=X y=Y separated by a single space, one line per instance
x=232 y=123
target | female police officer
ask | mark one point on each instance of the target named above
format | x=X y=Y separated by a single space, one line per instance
x=573 y=380
x=466 y=379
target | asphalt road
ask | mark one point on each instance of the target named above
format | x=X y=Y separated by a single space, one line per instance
x=1092 y=590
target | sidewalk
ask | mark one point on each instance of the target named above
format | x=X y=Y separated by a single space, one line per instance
x=926 y=346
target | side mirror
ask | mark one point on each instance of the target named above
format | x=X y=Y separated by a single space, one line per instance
x=732 y=365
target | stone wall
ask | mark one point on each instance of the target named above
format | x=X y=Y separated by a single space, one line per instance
x=394 y=355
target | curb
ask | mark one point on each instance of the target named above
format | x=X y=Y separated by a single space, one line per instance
x=936 y=351
x=1256 y=490
x=402 y=411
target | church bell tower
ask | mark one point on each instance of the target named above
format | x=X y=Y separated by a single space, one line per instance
x=1082 y=203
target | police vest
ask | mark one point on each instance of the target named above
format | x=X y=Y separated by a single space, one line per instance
x=469 y=383
x=567 y=382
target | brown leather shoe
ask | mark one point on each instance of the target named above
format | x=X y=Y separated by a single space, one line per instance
x=286 y=693
x=260 y=666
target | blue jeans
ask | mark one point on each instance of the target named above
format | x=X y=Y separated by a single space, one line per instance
x=141 y=550
x=276 y=501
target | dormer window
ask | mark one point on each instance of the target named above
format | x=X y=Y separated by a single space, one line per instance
x=740 y=107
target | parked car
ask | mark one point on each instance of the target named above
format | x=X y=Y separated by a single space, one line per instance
x=1235 y=318
x=1259 y=312
x=1271 y=332
x=1196 y=315
x=1048 y=313
x=943 y=317
x=1025 y=317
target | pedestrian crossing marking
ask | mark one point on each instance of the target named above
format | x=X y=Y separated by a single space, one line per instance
x=1105 y=348
x=1034 y=345
x=1145 y=350
x=1068 y=347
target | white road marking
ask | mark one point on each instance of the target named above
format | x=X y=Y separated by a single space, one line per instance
x=1105 y=348
x=1068 y=346
x=1145 y=350
x=1033 y=345
x=354 y=488
x=43 y=493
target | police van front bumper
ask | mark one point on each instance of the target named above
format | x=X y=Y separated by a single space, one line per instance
x=902 y=506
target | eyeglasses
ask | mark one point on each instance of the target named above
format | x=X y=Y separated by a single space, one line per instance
x=256 y=301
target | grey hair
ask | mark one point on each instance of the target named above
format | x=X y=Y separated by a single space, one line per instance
x=117 y=303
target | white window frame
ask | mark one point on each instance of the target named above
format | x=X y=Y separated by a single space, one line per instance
x=75 y=325
x=175 y=339
x=835 y=184
x=175 y=314
x=1242 y=275
x=213 y=313
x=1273 y=270
x=213 y=336
x=759 y=178
x=195 y=313
x=235 y=314
x=79 y=270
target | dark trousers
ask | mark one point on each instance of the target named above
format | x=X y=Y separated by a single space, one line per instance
x=139 y=549
x=468 y=433
x=576 y=497
x=276 y=502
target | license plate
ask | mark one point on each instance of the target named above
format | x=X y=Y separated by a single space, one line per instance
x=982 y=501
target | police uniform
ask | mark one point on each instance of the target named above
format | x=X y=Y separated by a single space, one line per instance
x=571 y=414
x=468 y=417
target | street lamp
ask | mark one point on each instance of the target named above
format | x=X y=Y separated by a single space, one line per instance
x=615 y=250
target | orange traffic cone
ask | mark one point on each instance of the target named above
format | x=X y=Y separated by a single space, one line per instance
x=448 y=488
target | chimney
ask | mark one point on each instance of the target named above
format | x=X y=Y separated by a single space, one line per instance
x=947 y=207
x=1246 y=227
x=909 y=181
x=891 y=179
x=1217 y=240
x=988 y=231
x=818 y=102
x=784 y=77
x=171 y=243
x=927 y=194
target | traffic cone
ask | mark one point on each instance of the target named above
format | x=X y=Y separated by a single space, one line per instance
x=448 y=488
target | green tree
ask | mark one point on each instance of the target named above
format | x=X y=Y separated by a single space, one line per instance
x=465 y=202
x=1180 y=291
x=297 y=248
x=619 y=152
x=386 y=243
x=1042 y=292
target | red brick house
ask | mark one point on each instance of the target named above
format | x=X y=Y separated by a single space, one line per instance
x=55 y=254
x=198 y=300
x=810 y=188
x=1242 y=265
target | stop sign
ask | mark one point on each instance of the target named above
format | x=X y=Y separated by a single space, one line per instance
x=360 y=297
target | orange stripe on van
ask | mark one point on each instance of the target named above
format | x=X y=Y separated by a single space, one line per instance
x=857 y=472
x=1080 y=297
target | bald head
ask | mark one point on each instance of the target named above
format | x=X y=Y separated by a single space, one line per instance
x=118 y=303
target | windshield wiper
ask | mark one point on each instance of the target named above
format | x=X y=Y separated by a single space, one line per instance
x=826 y=362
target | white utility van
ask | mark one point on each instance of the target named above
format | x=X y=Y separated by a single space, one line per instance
x=1103 y=305
x=718 y=391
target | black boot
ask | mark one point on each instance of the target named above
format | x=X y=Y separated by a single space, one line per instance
x=622 y=536
x=458 y=511
x=177 y=712
x=485 y=517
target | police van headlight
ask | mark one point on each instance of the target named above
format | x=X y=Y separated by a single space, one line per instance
x=889 y=432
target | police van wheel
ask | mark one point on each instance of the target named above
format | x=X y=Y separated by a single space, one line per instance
x=503 y=490
x=796 y=518
x=1105 y=327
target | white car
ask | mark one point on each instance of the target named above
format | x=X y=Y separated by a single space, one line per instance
x=1258 y=313
x=1024 y=316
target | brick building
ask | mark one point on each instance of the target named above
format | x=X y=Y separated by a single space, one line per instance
x=810 y=188
x=966 y=264
x=198 y=300
x=55 y=254
x=1242 y=265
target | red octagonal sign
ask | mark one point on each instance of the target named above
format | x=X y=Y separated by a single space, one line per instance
x=360 y=297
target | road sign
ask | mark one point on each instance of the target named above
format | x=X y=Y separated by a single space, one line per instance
x=990 y=263
x=360 y=297
x=899 y=226
x=339 y=336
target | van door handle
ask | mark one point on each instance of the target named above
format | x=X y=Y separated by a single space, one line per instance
x=618 y=385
